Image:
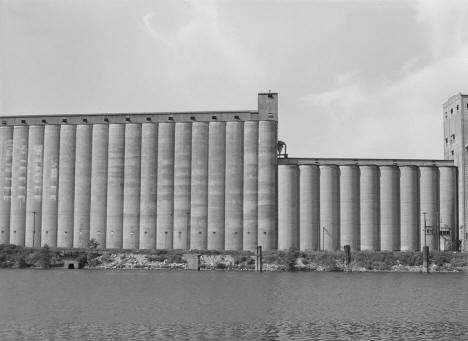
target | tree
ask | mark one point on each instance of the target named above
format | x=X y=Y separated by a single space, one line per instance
x=93 y=243
x=44 y=257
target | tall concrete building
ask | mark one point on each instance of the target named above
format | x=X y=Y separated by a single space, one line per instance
x=216 y=180
x=455 y=117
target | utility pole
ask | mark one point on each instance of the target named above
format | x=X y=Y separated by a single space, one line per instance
x=34 y=227
x=425 y=228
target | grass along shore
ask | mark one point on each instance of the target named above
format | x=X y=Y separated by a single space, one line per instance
x=12 y=256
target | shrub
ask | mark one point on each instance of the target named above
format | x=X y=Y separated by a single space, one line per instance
x=93 y=243
x=44 y=257
x=220 y=266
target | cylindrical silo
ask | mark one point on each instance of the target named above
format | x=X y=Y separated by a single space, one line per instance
x=115 y=182
x=199 y=187
x=66 y=187
x=131 y=200
x=216 y=188
x=234 y=185
x=165 y=196
x=389 y=208
x=267 y=167
x=448 y=207
x=349 y=207
x=329 y=207
x=182 y=163
x=50 y=184
x=309 y=207
x=370 y=207
x=98 y=206
x=18 y=185
x=250 y=187
x=34 y=186
x=429 y=194
x=409 y=207
x=81 y=222
x=6 y=150
x=288 y=207
x=148 y=185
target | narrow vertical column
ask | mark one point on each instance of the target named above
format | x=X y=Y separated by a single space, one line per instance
x=329 y=207
x=349 y=207
x=34 y=186
x=6 y=152
x=250 y=188
x=199 y=187
x=149 y=176
x=18 y=185
x=429 y=194
x=370 y=207
x=66 y=187
x=98 y=207
x=131 y=204
x=234 y=185
x=50 y=184
x=182 y=163
x=267 y=167
x=81 y=209
x=448 y=208
x=115 y=184
x=389 y=208
x=288 y=207
x=216 y=188
x=409 y=207
x=165 y=198
x=309 y=207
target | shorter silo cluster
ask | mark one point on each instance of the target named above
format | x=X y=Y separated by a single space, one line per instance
x=324 y=204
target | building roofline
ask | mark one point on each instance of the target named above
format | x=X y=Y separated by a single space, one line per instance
x=364 y=162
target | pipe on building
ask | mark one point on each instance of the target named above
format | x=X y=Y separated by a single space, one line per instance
x=309 y=219
x=288 y=207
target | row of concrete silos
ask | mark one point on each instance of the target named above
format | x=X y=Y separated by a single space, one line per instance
x=197 y=185
x=369 y=207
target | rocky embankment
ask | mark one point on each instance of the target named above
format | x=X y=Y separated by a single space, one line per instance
x=12 y=256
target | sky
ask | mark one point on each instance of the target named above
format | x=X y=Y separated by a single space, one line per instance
x=356 y=79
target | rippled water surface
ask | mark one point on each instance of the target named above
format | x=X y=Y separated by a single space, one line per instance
x=139 y=305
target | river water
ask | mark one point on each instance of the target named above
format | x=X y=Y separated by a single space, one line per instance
x=217 y=305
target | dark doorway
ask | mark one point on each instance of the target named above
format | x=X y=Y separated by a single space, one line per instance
x=71 y=266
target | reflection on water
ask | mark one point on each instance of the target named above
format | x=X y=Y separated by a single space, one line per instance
x=122 y=305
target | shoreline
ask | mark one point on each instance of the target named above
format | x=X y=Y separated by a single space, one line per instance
x=12 y=256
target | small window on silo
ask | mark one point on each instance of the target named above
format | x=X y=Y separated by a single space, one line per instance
x=451 y=110
x=453 y=137
x=214 y=118
x=170 y=118
x=446 y=140
x=148 y=119
x=85 y=120
x=192 y=118
x=457 y=107
x=451 y=152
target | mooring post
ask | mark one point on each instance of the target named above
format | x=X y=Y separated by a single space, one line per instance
x=259 y=262
x=347 y=250
x=426 y=259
